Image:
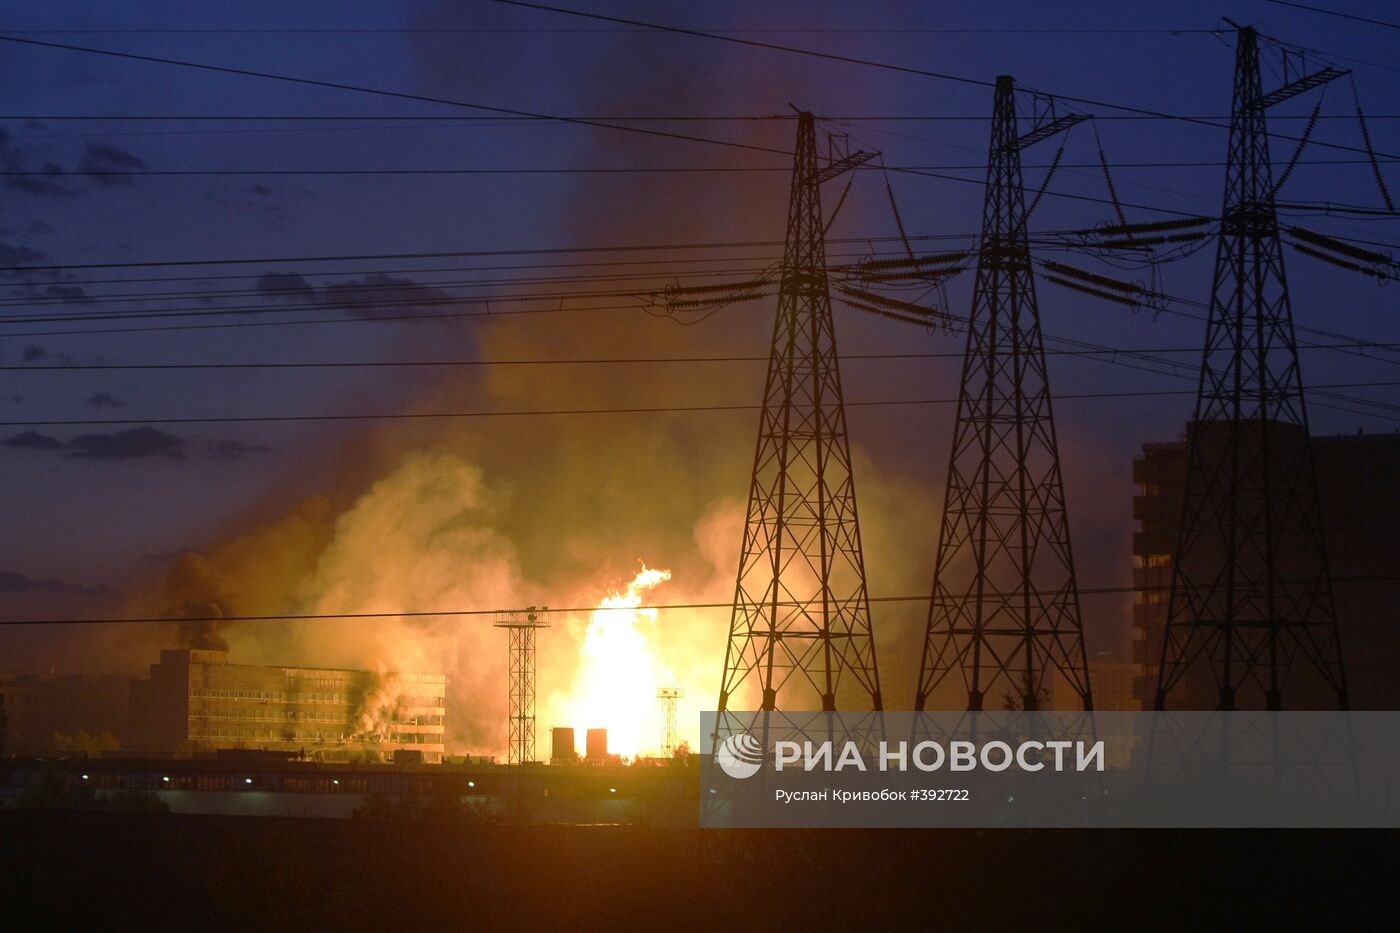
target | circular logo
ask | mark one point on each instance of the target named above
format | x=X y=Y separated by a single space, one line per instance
x=740 y=756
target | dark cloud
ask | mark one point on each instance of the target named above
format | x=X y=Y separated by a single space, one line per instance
x=370 y=296
x=66 y=292
x=36 y=354
x=29 y=171
x=140 y=443
x=14 y=582
x=131 y=444
x=103 y=400
x=33 y=440
x=101 y=159
x=286 y=286
x=19 y=255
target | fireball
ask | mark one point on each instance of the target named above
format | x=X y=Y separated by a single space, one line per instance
x=619 y=672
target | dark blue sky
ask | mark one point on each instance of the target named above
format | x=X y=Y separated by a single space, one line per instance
x=111 y=509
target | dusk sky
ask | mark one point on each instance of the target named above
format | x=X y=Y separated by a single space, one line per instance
x=215 y=240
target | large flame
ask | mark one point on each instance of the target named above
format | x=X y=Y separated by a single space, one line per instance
x=619 y=672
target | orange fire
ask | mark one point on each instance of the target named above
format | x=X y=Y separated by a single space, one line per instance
x=619 y=672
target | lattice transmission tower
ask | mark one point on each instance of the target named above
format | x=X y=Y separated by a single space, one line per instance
x=800 y=627
x=670 y=738
x=1004 y=617
x=1251 y=588
x=520 y=667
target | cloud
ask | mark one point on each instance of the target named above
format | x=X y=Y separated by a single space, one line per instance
x=140 y=443
x=33 y=440
x=369 y=296
x=19 y=255
x=101 y=159
x=14 y=582
x=103 y=400
x=285 y=286
x=131 y=444
x=31 y=172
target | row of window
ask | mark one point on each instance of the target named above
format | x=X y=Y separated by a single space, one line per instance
x=271 y=715
x=278 y=695
x=284 y=697
x=306 y=735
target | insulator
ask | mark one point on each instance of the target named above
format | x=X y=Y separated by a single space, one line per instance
x=1157 y=226
x=720 y=300
x=1079 y=287
x=719 y=287
x=1339 y=246
x=914 y=275
x=1130 y=288
x=894 y=304
x=925 y=323
x=1338 y=261
x=932 y=259
x=1152 y=240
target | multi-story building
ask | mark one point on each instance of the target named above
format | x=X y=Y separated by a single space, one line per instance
x=1113 y=680
x=1359 y=488
x=195 y=700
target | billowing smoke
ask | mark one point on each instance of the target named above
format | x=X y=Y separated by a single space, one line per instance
x=420 y=516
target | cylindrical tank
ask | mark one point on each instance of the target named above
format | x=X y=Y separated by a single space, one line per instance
x=597 y=744
x=562 y=745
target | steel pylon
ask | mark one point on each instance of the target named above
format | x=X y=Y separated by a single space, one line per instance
x=801 y=620
x=1251 y=587
x=520 y=676
x=1005 y=609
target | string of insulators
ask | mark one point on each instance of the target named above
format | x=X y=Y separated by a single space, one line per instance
x=722 y=299
x=1108 y=182
x=1081 y=287
x=1302 y=144
x=712 y=289
x=1045 y=184
x=930 y=259
x=1371 y=154
x=1338 y=246
x=1141 y=242
x=1340 y=262
x=925 y=323
x=1102 y=281
x=922 y=275
x=893 y=304
x=1156 y=226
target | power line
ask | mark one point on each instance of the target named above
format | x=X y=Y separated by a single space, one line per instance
x=582 y=361
x=622 y=127
x=1336 y=13
x=399 y=95
x=945 y=76
x=662 y=607
x=491 y=30
x=628 y=170
x=398 y=416
x=633 y=118
x=475 y=254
